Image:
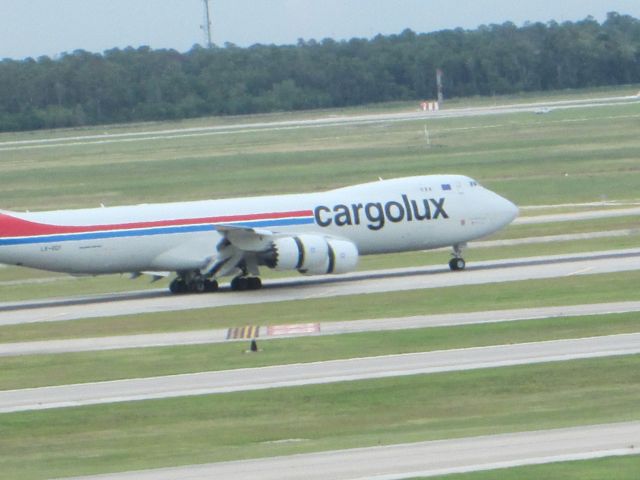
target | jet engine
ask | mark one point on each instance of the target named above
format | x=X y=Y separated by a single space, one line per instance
x=311 y=255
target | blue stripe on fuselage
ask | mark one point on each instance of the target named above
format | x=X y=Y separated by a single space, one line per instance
x=150 y=231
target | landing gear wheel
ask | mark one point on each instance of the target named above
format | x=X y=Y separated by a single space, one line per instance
x=457 y=264
x=240 y=284
x=196 y=285
x=210 y=285
x=178 y=286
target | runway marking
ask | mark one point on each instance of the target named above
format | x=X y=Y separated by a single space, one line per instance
x=246 y=332
x=580 y=272
x=295 y=329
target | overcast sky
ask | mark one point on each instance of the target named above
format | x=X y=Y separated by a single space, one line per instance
x=31 y=28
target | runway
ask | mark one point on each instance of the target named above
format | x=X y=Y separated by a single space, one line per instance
x=242 y=380
x=301 y=288
x=424 y=459
x=319 y=122
x=199 y=337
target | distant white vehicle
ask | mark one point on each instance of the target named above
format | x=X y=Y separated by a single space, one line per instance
x=314 y=233
x=542 y=110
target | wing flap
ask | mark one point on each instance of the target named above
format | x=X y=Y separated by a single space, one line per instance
x=246 y=238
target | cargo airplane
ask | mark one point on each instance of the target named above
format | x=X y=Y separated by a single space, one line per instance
x=313 y=233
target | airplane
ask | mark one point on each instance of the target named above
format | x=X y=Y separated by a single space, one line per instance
x=313 y=233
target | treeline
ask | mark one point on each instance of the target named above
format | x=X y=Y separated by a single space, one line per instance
x=84 y=88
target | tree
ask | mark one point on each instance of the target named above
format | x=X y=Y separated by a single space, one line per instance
x=83 y=88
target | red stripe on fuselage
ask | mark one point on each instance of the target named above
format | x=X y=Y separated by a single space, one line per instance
x=17 y=227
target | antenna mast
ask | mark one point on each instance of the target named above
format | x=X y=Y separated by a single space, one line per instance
x=207 y=24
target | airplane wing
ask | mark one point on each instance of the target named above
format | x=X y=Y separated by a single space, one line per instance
x=247 y=238
x=241 y=249
x=238 y=250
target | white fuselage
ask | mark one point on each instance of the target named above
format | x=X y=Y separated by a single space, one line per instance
x=397 y=215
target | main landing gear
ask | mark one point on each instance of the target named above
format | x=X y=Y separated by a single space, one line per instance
x=193 y=284
x=239 y=284
x=196 y=283
x=457 y=263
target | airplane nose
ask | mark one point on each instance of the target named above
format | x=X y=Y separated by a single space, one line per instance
x=509 y=210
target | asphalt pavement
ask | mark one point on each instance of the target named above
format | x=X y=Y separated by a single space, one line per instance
x=301 y=288
x=425 y=459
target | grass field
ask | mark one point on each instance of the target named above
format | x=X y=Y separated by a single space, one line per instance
x=564 y=157
x=211 y=428
x=577 y=155
x=618 y=468
x=62 y=369
x=549 y=292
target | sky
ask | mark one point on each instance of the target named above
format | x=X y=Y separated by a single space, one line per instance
x=32 y=28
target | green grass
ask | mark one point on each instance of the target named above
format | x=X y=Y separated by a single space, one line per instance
x=631 y=222
x=202 y=429
x=564 y=157
x=547 y=292
x=611 y=468
x=53 y=285
x=61 y=369
x=415 y=259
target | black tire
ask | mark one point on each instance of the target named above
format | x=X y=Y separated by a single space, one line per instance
x=177 y=286
x=254 y=283
x=239 y=284
x=197 y=286
x=457 y=264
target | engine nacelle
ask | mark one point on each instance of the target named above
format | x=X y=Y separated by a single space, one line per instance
x=312 y=255
x=343 y=254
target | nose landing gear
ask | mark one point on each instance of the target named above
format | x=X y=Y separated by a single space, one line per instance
x=457 y=263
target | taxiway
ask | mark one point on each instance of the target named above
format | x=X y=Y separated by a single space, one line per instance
x=288 y=289
x=249 y=379
x=425 y=459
